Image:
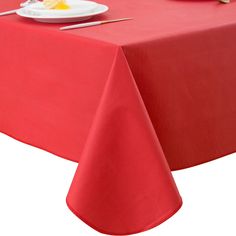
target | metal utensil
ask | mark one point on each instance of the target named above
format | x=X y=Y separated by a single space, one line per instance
x=23 y=4
x=82 y=25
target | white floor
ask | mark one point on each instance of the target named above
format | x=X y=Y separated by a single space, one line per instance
x=34 y=184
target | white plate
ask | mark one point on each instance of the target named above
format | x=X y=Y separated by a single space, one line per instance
x=80 y=10
x=76 y=7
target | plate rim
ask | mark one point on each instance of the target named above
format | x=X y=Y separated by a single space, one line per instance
x=20 y=12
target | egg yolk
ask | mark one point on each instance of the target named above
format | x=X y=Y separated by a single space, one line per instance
x=56 y=4
x=62 y=6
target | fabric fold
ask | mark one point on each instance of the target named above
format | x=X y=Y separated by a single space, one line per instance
x=123 y=184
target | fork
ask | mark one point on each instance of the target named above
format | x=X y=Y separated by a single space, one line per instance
x=26 y=3
x=23 y=4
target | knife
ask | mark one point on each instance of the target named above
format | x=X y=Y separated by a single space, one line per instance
x=82 y=25
x=8 y=12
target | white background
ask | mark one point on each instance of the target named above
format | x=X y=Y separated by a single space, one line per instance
x=34 y=184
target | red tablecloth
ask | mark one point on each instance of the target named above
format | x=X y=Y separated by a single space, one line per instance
x=129 y=101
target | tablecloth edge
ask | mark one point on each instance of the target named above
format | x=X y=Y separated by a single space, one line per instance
x=148 y=227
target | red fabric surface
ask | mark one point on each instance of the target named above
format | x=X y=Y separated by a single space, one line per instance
x=129 y=101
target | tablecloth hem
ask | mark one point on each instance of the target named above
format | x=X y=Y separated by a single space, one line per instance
x=148 y=227
x=41 y=147
x=216 y=157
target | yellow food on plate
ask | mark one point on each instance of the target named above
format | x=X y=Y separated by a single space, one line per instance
x=56 y=4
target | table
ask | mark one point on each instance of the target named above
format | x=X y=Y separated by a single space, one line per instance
x=128 y=101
